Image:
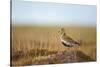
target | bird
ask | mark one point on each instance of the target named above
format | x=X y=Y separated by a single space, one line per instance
x=66 y=40
x=69 y=42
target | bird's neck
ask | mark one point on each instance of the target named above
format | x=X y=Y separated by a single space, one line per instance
x=63 y=34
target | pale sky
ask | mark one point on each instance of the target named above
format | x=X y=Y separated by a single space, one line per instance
x=41 y=13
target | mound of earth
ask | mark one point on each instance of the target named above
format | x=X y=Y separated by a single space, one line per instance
x=66 y=57
x=55 y=58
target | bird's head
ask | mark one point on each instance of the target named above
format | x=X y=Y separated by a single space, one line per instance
x=61 y=31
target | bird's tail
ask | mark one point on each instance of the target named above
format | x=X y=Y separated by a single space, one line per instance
x=80 y=42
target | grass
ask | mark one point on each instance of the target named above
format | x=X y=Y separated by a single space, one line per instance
x=40 y=45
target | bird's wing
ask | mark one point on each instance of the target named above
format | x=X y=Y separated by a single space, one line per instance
x=70 y=40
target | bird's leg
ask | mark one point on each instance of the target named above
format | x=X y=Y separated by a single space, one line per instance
x=68 y=49
x=75 y=52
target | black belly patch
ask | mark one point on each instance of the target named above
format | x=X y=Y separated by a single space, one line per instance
x=66 y=44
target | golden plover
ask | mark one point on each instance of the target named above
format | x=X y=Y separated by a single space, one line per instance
x=66 y=40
